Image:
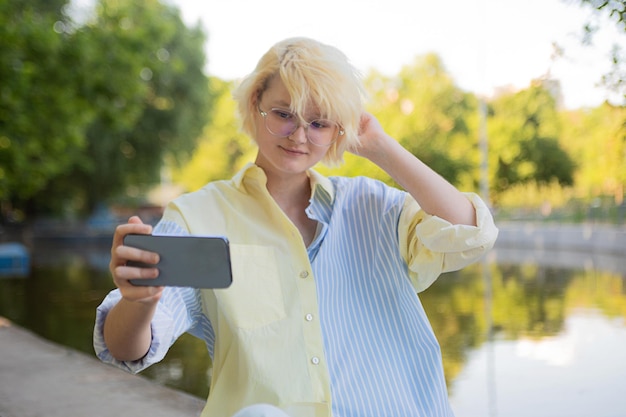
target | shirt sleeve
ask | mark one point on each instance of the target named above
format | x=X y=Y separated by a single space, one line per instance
x=169 y=322
x=431 y=245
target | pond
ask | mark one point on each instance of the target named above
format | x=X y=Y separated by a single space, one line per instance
x=521 y=333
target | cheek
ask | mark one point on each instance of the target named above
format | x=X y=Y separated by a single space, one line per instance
x=319 y=153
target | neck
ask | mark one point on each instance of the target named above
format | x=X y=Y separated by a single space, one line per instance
x=290 y=191
x=292 y=194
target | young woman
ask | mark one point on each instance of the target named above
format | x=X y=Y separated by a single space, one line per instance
x=323 y=316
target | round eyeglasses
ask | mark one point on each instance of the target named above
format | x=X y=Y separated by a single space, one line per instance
x=283 y=123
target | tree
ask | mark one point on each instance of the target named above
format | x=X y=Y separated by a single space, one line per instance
x=151 y=95
x=429 y=115
x=88 y=112
x=596 y=139
x=615 y=79
x=523 y=137
x=222 y=149
x=43 y=116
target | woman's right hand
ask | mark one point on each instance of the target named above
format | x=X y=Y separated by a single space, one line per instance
x=122 y=273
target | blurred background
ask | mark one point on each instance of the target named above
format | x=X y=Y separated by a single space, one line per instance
x=110 y=108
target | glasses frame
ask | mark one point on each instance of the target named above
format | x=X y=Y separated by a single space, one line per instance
x=299 y=123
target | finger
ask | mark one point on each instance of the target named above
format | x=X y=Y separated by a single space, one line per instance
x=364 y=120
x=121 y=254
x=128 y=253
x=126 y=273
x=123 y=274
x=135 y=220
x=134 y=225
x=122 y=271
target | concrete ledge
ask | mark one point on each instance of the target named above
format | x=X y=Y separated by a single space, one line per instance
x=39 y=378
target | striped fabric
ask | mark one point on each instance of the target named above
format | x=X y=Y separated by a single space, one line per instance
x=380 y=352
x=383 y=357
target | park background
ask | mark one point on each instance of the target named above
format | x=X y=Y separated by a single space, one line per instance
x=109 y=108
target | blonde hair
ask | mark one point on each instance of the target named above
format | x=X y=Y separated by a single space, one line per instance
x=312 y=72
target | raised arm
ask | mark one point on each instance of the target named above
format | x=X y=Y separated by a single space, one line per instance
x=127 y=331
x=432 y=192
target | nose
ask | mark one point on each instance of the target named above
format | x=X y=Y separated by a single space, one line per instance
x=298 y=136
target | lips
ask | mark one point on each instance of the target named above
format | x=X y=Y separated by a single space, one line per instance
x=293 y=151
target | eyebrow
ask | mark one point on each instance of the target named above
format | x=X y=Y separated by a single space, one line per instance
x=284 y=105
x=280 y=103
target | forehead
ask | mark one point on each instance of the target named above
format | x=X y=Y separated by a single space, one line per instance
x=277 y=95
x=276 y=91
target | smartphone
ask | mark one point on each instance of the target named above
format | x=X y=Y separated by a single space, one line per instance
x=185 y=261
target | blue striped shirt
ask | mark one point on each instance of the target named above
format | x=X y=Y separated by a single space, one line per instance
x=341 y=332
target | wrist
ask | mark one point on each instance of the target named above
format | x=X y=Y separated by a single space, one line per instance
x=380 y=150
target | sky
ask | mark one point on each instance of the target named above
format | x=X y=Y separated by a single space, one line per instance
x=485 y=45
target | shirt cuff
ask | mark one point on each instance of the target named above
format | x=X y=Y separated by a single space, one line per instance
x=436 y=245
x=162 y=335
x=439 y=235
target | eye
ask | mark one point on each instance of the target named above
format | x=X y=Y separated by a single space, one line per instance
x=282 y=114
x=321 y=124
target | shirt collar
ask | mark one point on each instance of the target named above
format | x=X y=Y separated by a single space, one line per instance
x=249 y=170
x=253 y=172
x=318 y=181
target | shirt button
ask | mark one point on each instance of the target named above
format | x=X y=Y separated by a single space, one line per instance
x=309 y=317
x=315 y=360
x=304 y=274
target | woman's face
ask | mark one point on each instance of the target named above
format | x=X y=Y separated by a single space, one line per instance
x=290 y=155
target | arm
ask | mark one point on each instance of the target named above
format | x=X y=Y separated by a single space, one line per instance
x=127 y=331
x=432 y=192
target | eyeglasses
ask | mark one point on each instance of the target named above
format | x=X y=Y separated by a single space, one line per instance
x=282 y=123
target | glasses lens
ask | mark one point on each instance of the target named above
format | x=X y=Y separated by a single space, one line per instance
x=283 y=123
x=322 y=132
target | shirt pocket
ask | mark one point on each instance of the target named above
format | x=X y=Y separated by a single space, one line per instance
x=255 y=297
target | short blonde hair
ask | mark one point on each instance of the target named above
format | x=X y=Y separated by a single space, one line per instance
x=312 y=72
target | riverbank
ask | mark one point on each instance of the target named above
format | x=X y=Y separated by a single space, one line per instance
x=42 y=379
x=584 y=237
x=572 y=246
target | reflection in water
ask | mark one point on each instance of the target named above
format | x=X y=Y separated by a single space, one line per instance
x=569 y=359
x=492 y=406
x=520 y=333
x=577 y=373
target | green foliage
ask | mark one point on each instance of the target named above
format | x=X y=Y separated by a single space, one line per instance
x=616 y=10
x=42 y=113
x=91 y=113
x=597 y=140
x=222 y=149
x=151 y=93
x=614 y=80
x=523 y=138
x=54 y=7
x=429 y=115
x=87 y=112
x=538 y=155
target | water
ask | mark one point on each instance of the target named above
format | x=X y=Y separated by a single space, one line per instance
x=521 y=333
